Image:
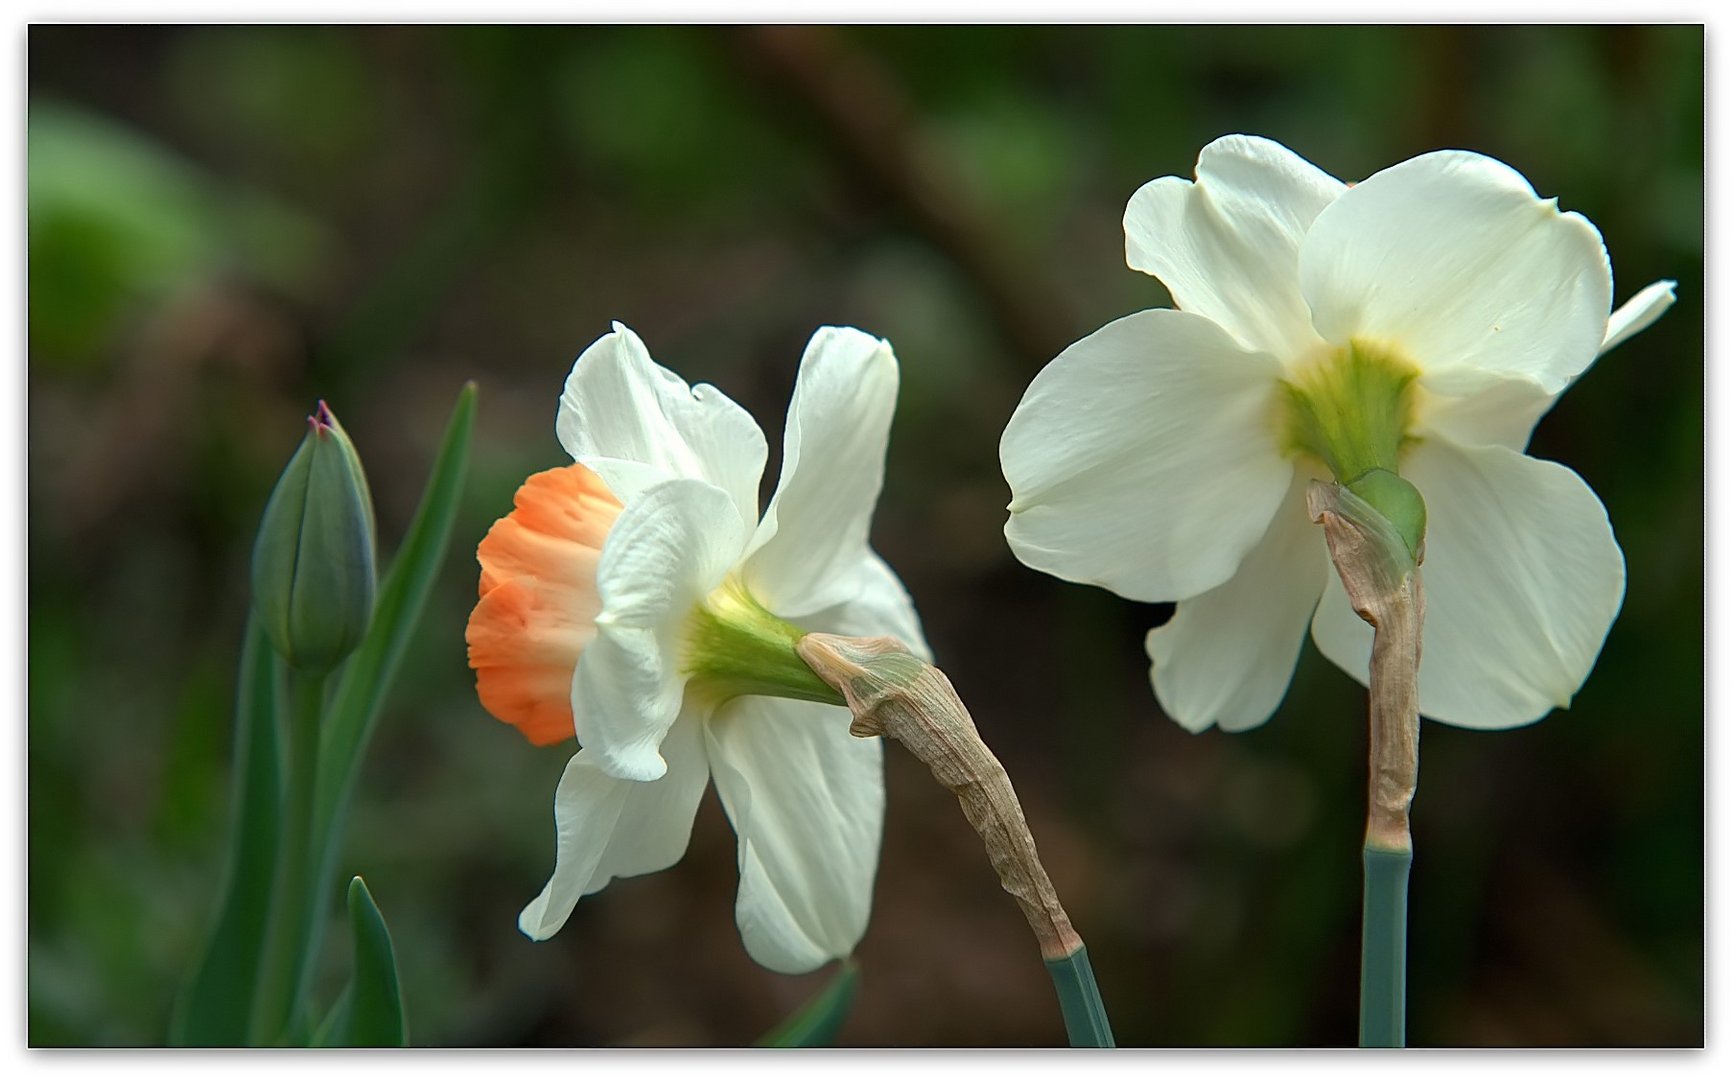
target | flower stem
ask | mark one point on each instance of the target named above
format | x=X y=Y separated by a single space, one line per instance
x=894 y=693
x=285 y=969
x=1380 y=572
x=1383 y=949
x=1085 y=1017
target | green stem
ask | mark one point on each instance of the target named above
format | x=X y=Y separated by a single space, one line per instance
x=1085 y=1017
x=287 y=949
x=1383 y=949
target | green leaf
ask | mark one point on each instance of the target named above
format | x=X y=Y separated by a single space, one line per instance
x=369 y=1011
x=372 y=1005
x=367 y=677
x=216 y=1003
x=818 y=1022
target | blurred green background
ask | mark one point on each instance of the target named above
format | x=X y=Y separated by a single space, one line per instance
x=227 y=223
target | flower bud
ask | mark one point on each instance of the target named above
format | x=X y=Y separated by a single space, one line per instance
x=313 y=564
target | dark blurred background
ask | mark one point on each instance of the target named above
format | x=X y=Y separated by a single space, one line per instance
x=227 y=223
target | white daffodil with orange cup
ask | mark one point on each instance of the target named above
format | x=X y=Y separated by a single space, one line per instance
x=637 y=601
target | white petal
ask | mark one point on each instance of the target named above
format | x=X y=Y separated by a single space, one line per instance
x=1452 y=259
x=1227 y=656
x=1227 y=246
x=814 y=530
x=877 y=604
x=1143 y=459
x=612 y=828
x=636 y=423
x=1480 y=408
x=1476 y=408
x=1522 y=581
x=1638 y=313
x=807 y=800
x=667 y=551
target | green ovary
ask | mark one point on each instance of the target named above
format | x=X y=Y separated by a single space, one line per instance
x=734 y=646
x=1351 y=410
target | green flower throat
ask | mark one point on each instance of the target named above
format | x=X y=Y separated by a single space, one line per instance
x=734 y=646
x=1353 y=412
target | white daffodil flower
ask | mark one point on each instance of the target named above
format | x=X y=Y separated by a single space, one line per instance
x=637 y=601
x=1421 y=321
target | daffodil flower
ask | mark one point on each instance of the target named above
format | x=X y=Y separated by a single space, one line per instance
x=1420 y=323
x=637 y=601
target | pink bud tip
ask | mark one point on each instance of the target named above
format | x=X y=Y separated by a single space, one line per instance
x=321 y=420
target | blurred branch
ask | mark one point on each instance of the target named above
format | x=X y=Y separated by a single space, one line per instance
x=854 y=105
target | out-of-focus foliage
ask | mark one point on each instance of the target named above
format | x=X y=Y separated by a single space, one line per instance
x=818 y=1021
x=118 y=220
x=229 y=222
x=213 y=1005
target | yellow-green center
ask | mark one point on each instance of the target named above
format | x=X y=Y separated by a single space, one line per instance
x=1352 y=411
x=735 y=646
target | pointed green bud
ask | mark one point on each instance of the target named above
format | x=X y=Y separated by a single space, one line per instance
x=735 y=646
x=313 y=561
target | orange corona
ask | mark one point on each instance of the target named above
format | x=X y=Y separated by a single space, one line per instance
x=538 y=600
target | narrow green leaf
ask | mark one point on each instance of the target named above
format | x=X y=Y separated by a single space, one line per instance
x=818 y=1022
x=374 y=1011
x=1085 y=1016
x=368 y=675
x=216 y=1003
